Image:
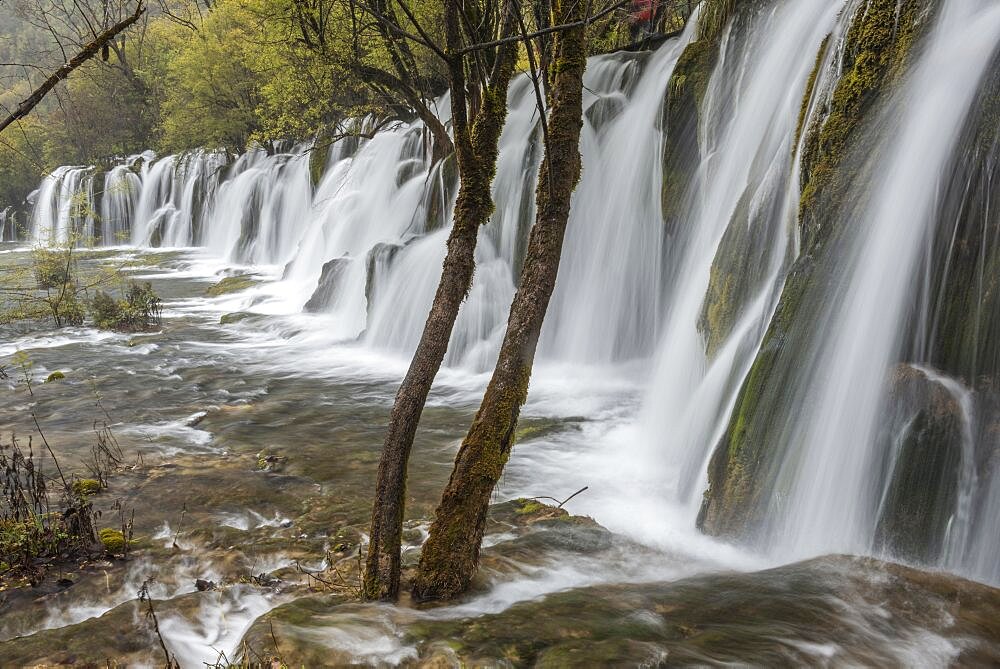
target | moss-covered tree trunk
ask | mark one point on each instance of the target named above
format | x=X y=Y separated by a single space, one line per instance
x=451 y=554
x=476 y=150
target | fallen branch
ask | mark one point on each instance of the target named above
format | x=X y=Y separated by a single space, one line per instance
x=559 y=504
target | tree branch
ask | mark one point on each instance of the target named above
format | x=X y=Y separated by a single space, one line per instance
x=544 y=31
x=89 y=51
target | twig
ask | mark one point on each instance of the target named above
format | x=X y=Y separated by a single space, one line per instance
x=559 y=505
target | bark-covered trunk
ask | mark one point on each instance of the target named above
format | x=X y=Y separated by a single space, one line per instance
x=451 y=554
x=476 y=149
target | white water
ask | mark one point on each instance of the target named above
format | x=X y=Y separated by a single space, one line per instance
x=379 y=215
x=829 y=472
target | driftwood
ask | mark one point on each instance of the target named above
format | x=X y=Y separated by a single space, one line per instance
x=89 y=51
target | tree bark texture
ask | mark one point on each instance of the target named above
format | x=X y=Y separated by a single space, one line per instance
x=476 y=149
x=451 y=555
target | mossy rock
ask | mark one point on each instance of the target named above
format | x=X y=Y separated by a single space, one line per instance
x=112 y=540
x=524 y=511
x=86 y=487
x=55 y=376
x=837 y=159
x=234 y=317
x=231 y=284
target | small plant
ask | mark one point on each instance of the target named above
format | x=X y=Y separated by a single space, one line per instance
x=140 y=309
x=33 y=529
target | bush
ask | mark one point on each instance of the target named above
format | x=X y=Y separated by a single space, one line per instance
x=53 y=269
x=140 y=310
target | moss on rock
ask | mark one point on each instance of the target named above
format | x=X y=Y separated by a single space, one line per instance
x=85 y=487
x=112 y=540
x=55 y=376
x=231 y=284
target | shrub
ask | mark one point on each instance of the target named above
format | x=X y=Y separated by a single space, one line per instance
x=52 y=267
x=139 y=310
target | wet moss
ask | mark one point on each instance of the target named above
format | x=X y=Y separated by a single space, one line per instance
x=230 y=284
x=876 y=52
x=875 y=56
x=85 y=487
x=55 y=376
x=112 y=540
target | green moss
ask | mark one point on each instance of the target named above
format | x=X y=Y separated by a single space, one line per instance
x=810 y=90
x=876 y=53
x=55 y=376
x=84 y=487
x=113 y=541
x=235 y=317
x=230 y=284
x=529 y=506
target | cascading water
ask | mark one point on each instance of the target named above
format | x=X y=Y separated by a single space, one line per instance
x=745 y=178
x=63 y=206
x=827 y=491
x=362 y=248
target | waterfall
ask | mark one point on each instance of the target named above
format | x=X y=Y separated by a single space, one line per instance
x=827 y=490
x=118 y=203
x=745 y=180
x=64 y=207
x=687 y=295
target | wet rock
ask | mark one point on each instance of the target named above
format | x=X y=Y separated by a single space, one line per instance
x=378 y=264
x=231 y=284
x=921 y=435
x=828 y=611
x=604 y=110
x=234 y=317
x=195 y=418
x=202 y=585
x=326 y=290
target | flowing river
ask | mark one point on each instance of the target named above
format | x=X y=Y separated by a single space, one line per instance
x=256 y=416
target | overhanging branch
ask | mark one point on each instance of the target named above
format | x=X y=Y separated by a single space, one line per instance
x=89 y=51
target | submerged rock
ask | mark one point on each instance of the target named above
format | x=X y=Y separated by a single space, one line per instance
x=231 y=284
x=834 y=610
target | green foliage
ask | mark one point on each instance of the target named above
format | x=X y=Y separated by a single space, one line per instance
x=139 y=310
x=55 y=376
x=112 y=540
x=86 y=487
x=53 y=267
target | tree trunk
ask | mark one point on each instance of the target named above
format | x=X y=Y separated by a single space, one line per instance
x=451 y=554
x=476 y=152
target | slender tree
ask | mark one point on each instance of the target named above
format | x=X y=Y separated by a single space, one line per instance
x=451 y=554
x=479 y=80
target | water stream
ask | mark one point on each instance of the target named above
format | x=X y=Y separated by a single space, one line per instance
x=632 y=392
